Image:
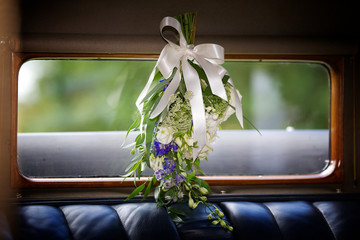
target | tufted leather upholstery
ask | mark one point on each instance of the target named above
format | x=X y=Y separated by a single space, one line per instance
x=262 y=217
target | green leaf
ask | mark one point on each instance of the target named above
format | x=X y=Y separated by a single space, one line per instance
x=182 y=87
x=207 y=91
x=149 y=131
x=139 y=139
x=157 y=193
x=199 y=170
x=188 y=164
x=175 y=218
x=130 y=145
x=177 y=211
x=190 y=176
x=149 y=187
x=136 y=192
x=133 y=126
x=197 y=162
x=225 y=79
x=130 y=167
x=158 y=87
x=200 y=71
x=203 y=183
x=136 y=161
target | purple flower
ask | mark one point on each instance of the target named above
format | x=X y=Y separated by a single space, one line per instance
x=161 y=149
x=168 y=183
x=169 y=165
x=180 y=178
x=160 y=174
x=174 y=146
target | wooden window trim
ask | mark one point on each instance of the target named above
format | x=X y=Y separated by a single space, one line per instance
x=333 y=174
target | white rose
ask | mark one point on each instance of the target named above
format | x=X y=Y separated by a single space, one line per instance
x=165 y=134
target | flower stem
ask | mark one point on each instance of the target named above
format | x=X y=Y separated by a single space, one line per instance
x=188 y=26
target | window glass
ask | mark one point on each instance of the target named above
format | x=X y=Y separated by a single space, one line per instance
x=73 y=115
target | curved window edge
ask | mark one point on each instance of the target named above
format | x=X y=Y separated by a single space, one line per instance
x=334 y=173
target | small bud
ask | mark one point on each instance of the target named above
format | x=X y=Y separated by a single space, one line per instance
x=222 y=223
x=195 y=205
x=209 y=216
x=220 y=214
x=215 y=222
x=203 y=191
x=133 y=151
x=203 y=198
x=191 y=203
x=231 y=228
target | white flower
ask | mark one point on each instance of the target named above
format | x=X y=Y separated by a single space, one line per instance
x=188 y=95
x=172 y=98
x=178 y=141
x=205 y=151
x=211 y=136
x=189 y=140
x=215 y=116
x=187 y=154
x=210 y=122
x=165 y=134
x=156 y=162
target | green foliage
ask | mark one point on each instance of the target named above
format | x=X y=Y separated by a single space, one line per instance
x=86 y=95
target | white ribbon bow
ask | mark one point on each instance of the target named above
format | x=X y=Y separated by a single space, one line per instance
x=209 y=57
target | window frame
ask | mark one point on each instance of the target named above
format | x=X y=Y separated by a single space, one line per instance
x=333 y=174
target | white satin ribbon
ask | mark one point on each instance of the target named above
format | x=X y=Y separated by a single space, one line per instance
x=209 y=57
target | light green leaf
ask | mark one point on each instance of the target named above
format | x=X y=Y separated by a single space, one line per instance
x=149 y=187
x=135 y=192
x=175 y=218
x=158 y=87
x=157 y=193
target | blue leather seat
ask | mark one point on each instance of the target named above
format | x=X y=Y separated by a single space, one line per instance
x=255 y=217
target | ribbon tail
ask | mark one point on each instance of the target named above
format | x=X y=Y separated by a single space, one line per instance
x=214 y=77
x=235 y=94
x=168 y=92
x=192 y=83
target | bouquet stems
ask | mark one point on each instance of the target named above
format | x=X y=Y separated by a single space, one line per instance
x=188 y=26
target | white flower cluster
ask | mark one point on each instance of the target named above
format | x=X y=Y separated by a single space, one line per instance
x=176 y=126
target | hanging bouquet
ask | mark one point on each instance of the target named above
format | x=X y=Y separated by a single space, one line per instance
x=188 y=95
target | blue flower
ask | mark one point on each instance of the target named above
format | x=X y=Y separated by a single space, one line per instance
x=168 y=183
x=180 y=178
x=169 y=165
x=161 y=149
x=160 y=174
x=174 y=146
